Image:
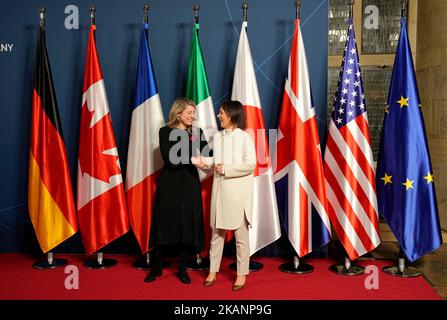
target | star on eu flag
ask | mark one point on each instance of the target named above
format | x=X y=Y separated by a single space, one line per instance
x=429 y=177
x=408 y=184
x=403 y=102
x=387 y=179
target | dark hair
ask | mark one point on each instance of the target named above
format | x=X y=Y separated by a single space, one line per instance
x=236 y=113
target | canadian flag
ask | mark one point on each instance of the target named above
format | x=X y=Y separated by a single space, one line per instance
x=265 y=227
x=101 y=202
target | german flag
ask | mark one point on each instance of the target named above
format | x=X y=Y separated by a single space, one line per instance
x=50 y=194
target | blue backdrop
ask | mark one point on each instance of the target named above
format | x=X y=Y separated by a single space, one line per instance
x=270 y=30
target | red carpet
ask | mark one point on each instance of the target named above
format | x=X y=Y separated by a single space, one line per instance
x=18 y=280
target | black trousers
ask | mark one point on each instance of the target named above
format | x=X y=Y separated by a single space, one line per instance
x=159 y=252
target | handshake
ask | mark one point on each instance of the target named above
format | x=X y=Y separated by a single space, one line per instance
x=200 y=163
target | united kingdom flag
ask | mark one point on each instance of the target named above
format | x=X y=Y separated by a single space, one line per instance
x=299 y=178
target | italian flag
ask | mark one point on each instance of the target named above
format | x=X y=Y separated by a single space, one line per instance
x=197 y=89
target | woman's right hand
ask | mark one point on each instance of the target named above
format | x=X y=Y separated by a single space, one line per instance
x=198 y=162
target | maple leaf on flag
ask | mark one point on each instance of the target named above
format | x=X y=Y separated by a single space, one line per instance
x=98 y=155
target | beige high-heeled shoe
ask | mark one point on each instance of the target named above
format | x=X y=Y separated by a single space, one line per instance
x=237 y=287
x=208 y=283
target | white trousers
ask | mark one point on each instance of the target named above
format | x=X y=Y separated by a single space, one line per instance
x=242 y=248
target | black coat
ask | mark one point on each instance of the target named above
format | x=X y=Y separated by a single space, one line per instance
x=177 y=216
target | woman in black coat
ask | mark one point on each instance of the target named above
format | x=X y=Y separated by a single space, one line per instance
x=177 y=217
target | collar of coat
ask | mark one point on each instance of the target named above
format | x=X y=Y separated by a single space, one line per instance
x=230 y=133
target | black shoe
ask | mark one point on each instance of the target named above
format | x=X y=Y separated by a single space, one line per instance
x=154 y=273
x=183 y=276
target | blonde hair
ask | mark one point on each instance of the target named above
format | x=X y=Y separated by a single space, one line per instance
x=178 y=106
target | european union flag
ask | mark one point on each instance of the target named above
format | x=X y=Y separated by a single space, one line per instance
x=405 y=187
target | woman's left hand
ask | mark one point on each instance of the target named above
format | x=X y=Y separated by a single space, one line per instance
x=219 y=168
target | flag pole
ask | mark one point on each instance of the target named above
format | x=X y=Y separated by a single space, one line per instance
x=244 y=7
x=297 y=9
x=351 y=8
x=196 y=9
x=146 y=13
x=198 y=263
x=92 y=10
x=404 y=8
x=401 y=270
x=100 y=262
x=49 y=262
x=144 y=263
x=197 y=266
x=253 y=265
x=42 y=17
x=348 y=268
x=296 y=266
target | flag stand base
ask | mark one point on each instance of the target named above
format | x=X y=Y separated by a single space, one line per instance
x=143 y=263
x=340 y=269
x=198 y=264
x=50 y=263
x=401 y=270
x=296 y=267
x=289 y=267
x=100 y=262
x=347 y=269
x=254 y=266
x=408 y=272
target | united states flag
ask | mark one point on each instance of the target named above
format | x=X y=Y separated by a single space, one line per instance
x=348 y=161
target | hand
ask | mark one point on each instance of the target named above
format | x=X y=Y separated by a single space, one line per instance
x=198 y=162
x=218 y=168
x=202 y=166
x=195 y=160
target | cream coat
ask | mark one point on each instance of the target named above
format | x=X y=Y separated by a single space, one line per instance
x=232 y=193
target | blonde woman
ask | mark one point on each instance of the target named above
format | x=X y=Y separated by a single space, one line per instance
x=234 y=161
x=177 y=217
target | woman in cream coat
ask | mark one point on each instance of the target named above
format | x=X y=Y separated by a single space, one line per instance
x=234 y=160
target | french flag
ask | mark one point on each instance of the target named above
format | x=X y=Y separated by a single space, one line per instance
x=144 y=159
